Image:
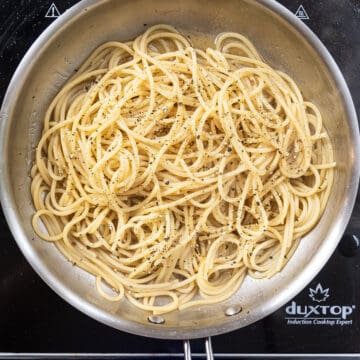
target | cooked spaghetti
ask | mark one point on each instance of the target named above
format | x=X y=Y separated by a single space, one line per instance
x=171 y=172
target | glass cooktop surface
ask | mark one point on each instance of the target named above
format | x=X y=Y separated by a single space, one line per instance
x=323 y=320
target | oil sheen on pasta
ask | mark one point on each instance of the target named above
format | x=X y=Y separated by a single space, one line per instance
x=171 y=172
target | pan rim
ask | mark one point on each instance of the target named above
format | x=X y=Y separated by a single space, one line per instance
x=318 y=261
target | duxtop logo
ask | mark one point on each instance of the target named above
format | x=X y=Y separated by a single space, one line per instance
x=318 y=314
x=318 y=294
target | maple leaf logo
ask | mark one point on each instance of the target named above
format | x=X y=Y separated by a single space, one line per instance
x=319 y=294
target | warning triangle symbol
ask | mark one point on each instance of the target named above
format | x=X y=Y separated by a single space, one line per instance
x=52 y=12
x=301 y=13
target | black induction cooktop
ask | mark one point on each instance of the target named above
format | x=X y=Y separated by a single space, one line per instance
x=322 y=321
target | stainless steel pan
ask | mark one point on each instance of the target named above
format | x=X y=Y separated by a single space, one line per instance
x=283 y=40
